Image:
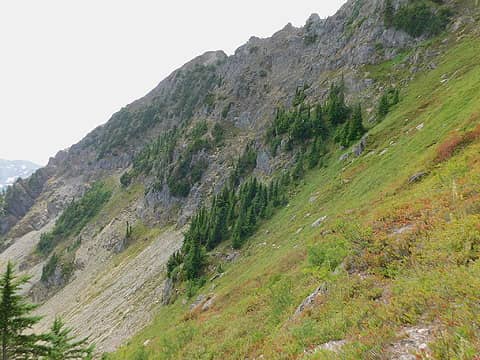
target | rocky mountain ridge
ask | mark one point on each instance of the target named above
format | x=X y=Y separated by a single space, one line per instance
x=239 y=93
x=242 y=90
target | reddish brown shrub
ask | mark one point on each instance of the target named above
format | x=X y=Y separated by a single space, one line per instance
x=474 y=134
x=455 y=142
x=448 y=147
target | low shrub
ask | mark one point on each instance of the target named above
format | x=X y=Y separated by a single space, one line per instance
x=456 y=142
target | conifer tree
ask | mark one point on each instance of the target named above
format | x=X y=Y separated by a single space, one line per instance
x=383 y=106
x=299 y=170
x=194 y=260
x=251 y=221
x=15 y=320
x=395 y=96
x=237 y=234
x=314 y=154
x=337 y=110
x=344 y=134
x=286 y=179
x=62 y=345
x=215 y=232
x=173 y=261
x=319 y=127
x=356 y=129
x=129 y=231
x=388 y=14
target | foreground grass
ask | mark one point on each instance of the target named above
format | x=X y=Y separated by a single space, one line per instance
x=388 y=279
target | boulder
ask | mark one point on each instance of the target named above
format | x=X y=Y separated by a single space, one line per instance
x=167 y=291
x=198 y=301
x=207 y=305
x=360 y=147
x=417 y=177
x=344 y=157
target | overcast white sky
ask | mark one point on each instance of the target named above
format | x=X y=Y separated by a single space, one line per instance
x=66 y=66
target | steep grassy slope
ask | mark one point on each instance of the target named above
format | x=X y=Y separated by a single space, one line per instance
x=392 y=254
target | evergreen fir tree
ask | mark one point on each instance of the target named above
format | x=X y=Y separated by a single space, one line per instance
x=298 y=171
x=388 y=14
x=15 y=320
x=62 y=345
x=128 y=232
x=215 y=231
x=194 y=260
x=237 y=234
x=345 y=134
x=395 y=96
x=356 y=129
x=336 y=108
x=269 y=210
x=251 y=221
x=276 y=193
x=383 y=106
x=314 y=154
x=286 y=179
x=231 y=208
x=319 y=127
x=173 y=261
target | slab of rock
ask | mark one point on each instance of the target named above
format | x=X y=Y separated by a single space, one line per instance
x=310 y=299
x=230 y=257
x=361 y=146
x=203 y=303
x=167 y=291
x=344 y=157
x=334 y=346
x=403 y=229
x=319 y=221
x=198 y=301
x=413 y=345
x=209 y=303
x=417 y=177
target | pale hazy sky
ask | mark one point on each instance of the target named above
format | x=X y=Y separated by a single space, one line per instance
x=66 y=66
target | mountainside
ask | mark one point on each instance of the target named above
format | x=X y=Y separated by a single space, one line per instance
x=314 y=195
x=240 y=92
x=12 y=170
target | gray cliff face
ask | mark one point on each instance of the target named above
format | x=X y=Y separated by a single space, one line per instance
x=264 y=72
x=20 y=197
x=245 y=87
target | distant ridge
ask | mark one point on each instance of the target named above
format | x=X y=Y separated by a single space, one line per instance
x=11 y=170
